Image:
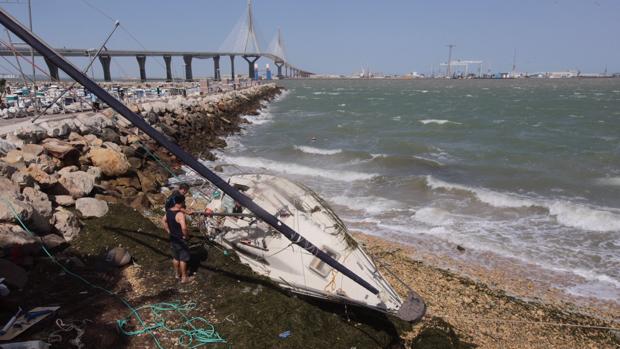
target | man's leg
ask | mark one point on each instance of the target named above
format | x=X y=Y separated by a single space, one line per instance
x=183 y=268
x=176 y=268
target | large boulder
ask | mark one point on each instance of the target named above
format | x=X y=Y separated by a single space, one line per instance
x=148 y=181
x=66 y=223
x=91 y=207
x=6 y=146
x=22 y=179
x=118 y=257
x=12 y=205
x=126 y=182
x=78 y=183
x=42 y=210
x=94 y=171
x=39 y=201
x=60 y=149
x=6 y=170
x=12 y=234
x=52 y=241
x=141 y=202
x=14 y=140
x=110 y=135
x=31 y=152
x=31 y=133
x=64 y=200
x=91 y=123
x=14 y=156
x=48 y=164
x=59 y=128
x=111 y=162
x=92 y=140
x=40 y=176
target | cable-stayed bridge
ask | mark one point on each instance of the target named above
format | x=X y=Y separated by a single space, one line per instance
x=243 y=41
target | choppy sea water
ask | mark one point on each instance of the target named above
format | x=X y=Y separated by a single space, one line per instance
x=525 y=169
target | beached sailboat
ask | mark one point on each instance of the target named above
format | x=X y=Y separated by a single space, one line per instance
x=271 y=254
x=363 y=286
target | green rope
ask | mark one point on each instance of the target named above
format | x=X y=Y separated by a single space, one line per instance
x=158 y=160
x=191 y=338
x=202 y=336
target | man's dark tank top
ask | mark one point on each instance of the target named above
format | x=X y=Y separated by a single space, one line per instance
x=176 y=233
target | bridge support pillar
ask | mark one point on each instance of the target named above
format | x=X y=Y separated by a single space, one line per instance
x=168 y=61
x=188 y=67
x=232 y=67
x=216 y=68
x=251 y=59
x=142 y=65
x=105 y=64
x=279 y=65
x=53 y=69
x=286 y=72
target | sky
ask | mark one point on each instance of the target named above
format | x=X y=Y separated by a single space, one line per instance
x=341 y=37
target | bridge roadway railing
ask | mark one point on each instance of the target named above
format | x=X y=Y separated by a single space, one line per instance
x=106 y=56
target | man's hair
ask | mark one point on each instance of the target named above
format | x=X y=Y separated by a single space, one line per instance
x=178 y=199
x=184 y=186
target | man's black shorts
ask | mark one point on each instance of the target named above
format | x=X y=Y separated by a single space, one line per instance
x=180 y=250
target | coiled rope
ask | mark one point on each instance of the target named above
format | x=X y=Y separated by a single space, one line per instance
x=199 y=331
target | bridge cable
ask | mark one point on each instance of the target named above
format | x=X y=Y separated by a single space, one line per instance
x=123 y=28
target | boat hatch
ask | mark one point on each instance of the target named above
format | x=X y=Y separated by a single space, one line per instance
x=320 y=267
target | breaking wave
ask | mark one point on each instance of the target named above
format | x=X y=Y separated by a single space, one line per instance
x=439 y=122
x=611 y=181
x=289 y=168
x=369 y=204
x=317 y=151
x=566 y=213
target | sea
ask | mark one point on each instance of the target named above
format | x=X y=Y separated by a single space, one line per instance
x=527 y=170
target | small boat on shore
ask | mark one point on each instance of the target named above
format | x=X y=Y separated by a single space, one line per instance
x=271 y=254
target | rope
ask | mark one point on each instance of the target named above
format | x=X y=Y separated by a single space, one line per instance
x=55 y=336
x=198 y=333
x=191 y=337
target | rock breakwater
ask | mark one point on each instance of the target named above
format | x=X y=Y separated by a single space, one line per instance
x=55 y=173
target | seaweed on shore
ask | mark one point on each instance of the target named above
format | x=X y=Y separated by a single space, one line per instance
x=246 y=309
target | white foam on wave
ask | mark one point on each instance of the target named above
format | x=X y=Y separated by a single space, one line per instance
x=370 y=204
x=611 y=181
x=584 y=217
x=487 y=196
x=439 y=122
x=433 y=216
x=429 y=160
x=296 y=169
x=317 y=151
x=581 y=216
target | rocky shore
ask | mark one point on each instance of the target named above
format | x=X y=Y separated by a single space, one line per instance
x=89 y=185
x=56 y=172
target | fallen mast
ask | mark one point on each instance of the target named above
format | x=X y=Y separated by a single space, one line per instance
x=49 y=53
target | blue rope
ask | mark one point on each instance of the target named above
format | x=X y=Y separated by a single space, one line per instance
x=200 y=335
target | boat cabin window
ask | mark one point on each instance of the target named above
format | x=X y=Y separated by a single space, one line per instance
x=320 y=267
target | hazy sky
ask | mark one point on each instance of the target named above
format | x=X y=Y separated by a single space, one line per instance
x=341 y=36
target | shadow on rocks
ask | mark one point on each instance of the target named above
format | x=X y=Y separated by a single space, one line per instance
x=438 y=334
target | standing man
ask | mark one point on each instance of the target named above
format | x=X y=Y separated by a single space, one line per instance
x=176 y=227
